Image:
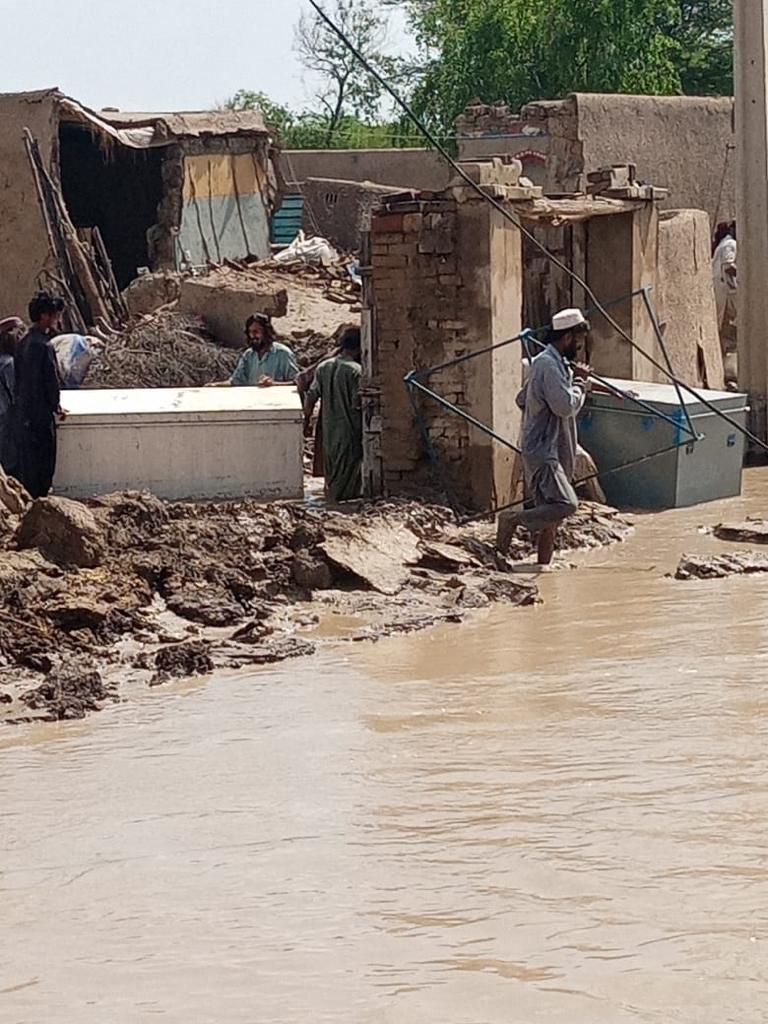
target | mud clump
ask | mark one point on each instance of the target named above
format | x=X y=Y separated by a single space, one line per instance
x=718 y=567
x=64 y=531
x=69 y=692
x=205 y=609
x=310 y=572
x=181 y=661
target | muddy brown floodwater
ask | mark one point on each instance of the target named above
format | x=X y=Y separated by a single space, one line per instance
x=553 y=814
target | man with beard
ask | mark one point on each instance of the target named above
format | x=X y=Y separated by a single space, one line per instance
x=266 y=362
x=551 y=400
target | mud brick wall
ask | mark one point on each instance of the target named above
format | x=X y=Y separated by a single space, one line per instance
x=681 y=143
x=340 y=210
x=447 y=281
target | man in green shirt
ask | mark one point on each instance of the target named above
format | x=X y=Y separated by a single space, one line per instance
x=337 y=387
x=266 y=362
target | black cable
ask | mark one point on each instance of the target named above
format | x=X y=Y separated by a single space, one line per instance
x=500 y=208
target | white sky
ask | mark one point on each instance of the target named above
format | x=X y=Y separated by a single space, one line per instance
x=154 y=54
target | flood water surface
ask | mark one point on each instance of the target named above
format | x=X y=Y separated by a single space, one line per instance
x=554 y=814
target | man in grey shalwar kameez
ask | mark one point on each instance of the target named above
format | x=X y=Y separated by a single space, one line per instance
x=551 y=400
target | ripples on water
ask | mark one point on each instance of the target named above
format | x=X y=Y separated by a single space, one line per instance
x=554 y=814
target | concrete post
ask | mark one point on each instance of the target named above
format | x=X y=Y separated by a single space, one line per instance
x=622 y=255
x=751 y=46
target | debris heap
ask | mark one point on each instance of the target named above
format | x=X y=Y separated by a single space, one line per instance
x=187 y=331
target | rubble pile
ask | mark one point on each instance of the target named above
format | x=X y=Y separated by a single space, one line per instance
x=740 y=562
x=186 y=330
x=718 y=567
x=136 y=587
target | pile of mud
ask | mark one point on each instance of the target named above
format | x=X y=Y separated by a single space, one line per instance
x=131 y=586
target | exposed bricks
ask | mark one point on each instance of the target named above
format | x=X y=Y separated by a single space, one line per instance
x=432 y=306
x=384 y=222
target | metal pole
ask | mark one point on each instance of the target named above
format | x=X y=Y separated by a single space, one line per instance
x=663 y=346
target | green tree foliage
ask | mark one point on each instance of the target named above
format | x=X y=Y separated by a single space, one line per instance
x=279 y=119
x=705 y=36
x=519 y=50
x=306 y=130
x=345 y=107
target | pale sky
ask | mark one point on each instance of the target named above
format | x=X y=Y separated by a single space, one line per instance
x=154 y=54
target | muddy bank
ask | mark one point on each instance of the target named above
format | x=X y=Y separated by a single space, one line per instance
x=131 y=587
x=719 y=567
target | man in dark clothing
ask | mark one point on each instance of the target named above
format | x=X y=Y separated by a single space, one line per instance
x=12 y=330
x=38 y=395
x=337 y=387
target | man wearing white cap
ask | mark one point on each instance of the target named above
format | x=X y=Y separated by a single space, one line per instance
x=552 y=398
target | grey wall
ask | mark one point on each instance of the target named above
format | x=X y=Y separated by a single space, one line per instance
x=340 y=210
x=401 y=168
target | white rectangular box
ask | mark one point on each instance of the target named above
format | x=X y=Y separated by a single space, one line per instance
x=182 y=443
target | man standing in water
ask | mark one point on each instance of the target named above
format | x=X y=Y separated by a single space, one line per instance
x=38 y=395
x=337 y=387
x=551 y=400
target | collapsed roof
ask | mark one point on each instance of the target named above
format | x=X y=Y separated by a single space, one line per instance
x=147 y=130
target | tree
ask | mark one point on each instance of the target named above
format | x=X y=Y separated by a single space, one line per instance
x=277 y=117
x=519 y=50
x=307 y=130
x=705 y=35
x=345 y=88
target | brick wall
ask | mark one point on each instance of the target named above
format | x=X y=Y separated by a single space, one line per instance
x=438 y=297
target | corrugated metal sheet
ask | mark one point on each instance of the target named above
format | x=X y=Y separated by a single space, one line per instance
x=227 y=203
x=142 y=131
x=288 y=220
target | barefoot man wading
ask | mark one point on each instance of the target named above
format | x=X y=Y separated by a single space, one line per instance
x=551 y=400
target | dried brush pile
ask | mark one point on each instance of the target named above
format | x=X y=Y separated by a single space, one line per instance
x=164 y=350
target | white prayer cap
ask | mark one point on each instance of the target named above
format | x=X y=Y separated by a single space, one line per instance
x=567 y=319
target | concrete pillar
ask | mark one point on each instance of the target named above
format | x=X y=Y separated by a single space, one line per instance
x=622 y=256
x=751 y=45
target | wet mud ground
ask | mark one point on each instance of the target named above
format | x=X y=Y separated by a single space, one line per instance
x=130 y=587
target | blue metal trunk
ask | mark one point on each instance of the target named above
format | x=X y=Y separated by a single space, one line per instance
x=615 y=432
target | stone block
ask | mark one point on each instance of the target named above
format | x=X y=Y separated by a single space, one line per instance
x=149 y=292
x=225 y=300
x=64 y=532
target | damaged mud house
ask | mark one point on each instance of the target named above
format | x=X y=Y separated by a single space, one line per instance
x=161 y=188
x=445 y=278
